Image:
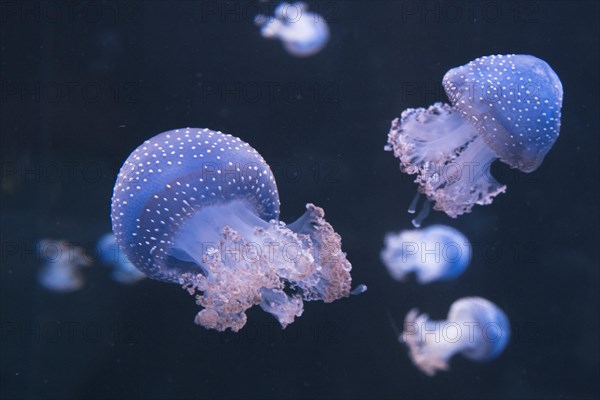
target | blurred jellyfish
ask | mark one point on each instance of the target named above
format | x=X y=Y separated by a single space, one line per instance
x=123 y=271
x=303 y=33
x=200 y=208
x=61 y=271
x=438 y=252
x=505 y=107
x=475 y=327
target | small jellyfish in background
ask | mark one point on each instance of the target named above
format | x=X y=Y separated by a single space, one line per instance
x=123 y=271
x=475 y=328
x=201 y=209
x=63 y=261
x=505 y=107
x=303 y=33
x=438 y=252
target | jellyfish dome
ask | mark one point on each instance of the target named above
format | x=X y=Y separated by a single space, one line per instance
x=201 y=209
x=505 y=107
x=303 y=33
x=475 y=327
x=438 y=252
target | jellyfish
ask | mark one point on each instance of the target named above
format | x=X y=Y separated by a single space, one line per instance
x=475 y=327
x=438 y=252
x=505 y=107
x=303 y=33
x=200 y=208
x=63 y=262
x=123 y=271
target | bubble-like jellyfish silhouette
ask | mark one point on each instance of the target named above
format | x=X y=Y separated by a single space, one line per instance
x=303 y=33
x=200 y=208
x=438 y=252
x=63 y=261
x=123 y=270
x=475 y=327
x=505 y=107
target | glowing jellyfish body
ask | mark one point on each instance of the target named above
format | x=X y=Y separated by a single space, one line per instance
x=438 y=252
x=61 y=271
x=303 y=33
x=123 y=270
x=475 y=328
x=200 y=208
x=505 y=107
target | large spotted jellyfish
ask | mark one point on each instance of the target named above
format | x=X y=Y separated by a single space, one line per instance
x=505 y=107
x=303 y=33
x=200 y=208
x=475 y=327
x=438 y=252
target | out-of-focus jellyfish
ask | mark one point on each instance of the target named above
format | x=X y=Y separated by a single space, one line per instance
x=63 y=261
x=303 y=33
x=123 y=271
x=200 y=208
x=475 y=327
x=505 y=107
x=438 y=252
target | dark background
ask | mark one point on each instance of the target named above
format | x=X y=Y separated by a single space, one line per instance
x=84 y=83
